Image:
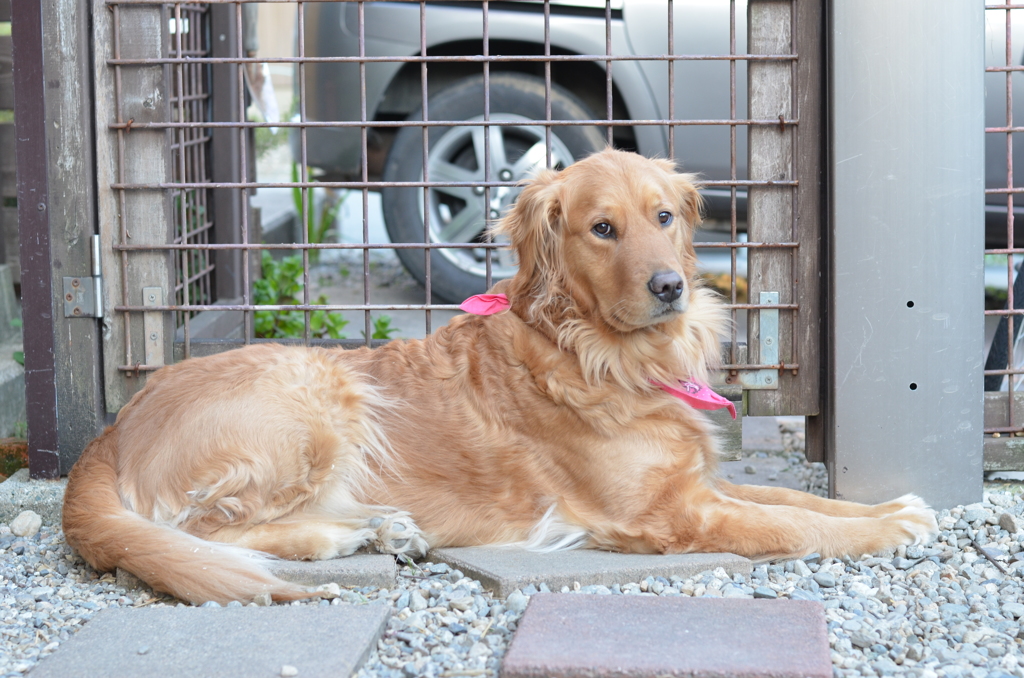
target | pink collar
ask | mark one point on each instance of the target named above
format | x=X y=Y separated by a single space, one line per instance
x=694 y=393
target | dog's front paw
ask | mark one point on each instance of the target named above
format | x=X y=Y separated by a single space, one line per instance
x=917 y=523
x=896 y=505
x=398 y=534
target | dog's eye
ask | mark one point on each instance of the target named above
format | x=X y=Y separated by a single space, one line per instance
x=603 y=230
x=665 y=218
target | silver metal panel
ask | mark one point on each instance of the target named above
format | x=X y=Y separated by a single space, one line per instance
x=906 y=309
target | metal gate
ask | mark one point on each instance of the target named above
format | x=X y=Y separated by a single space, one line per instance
x=733 y=90
x=1004 y=425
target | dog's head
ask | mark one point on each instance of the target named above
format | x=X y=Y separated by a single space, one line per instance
x=608 y=238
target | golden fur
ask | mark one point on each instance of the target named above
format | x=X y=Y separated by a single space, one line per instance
x=539 y=426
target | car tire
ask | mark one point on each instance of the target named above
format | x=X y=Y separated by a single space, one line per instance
x=453 y=154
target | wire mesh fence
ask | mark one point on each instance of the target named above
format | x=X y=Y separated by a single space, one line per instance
x=1004 y=288
x=443 y=110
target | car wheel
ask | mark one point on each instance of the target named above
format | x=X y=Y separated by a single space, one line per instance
x=456 y=154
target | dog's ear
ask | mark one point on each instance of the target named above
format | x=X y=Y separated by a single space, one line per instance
x=690 y=200
x=533 y=226
x=685 y=187
x=691 y=207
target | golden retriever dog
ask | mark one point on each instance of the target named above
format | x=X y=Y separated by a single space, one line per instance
x=543 y=426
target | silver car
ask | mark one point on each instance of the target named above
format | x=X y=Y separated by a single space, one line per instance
x=517 y=98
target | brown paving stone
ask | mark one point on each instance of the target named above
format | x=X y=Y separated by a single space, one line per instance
x=594 y=636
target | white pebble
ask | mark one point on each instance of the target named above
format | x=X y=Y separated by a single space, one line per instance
x=417 y=602
x=800 y=568
x=516 y=602
x=27 y=524
x=289 y=670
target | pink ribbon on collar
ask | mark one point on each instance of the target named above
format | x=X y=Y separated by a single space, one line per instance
x=485 y=304
x=694 y=393
x=698 y=395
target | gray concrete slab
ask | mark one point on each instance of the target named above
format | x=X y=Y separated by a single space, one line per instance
x=20 y=493
x=591 y=636
x=331 y=640
x=360 y=569
x=503 y=570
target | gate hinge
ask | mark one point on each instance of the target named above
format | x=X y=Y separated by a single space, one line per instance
x=83 y=296
x=765 y=378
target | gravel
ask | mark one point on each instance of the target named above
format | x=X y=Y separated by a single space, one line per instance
x=945 y=609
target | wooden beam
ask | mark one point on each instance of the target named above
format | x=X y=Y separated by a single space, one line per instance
x=137 y=217
x=782 y=90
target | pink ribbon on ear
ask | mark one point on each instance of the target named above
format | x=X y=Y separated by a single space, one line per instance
x=485 y=304
x=699 y=395
x=694 y=393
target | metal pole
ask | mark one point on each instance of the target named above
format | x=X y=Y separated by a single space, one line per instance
x=904 y=402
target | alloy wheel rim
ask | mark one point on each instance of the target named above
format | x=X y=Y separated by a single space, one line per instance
x=457 y=213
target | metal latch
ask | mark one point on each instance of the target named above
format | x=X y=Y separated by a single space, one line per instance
x=767 y=378
x=83 y=296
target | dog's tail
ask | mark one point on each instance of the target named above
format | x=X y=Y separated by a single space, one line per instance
x=108 y=535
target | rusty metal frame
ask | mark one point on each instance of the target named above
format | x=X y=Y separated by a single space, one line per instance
x=188 y=250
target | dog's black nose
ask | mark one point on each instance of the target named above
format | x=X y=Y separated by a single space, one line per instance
x=666 y=285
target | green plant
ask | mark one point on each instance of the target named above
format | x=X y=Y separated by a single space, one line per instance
x=318 y=228
x=13 y=456
x=382 y=328
x=19 y=356
x=281 y=285
x=14 y=450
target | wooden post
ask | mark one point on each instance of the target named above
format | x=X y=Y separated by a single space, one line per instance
x=783 y=213
x=57 y=217
x=136 y=217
